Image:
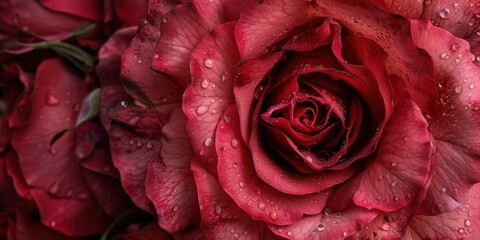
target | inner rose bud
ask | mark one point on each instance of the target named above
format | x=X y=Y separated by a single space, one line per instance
x=310 y=119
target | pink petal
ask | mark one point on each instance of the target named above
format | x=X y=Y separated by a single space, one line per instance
x=169 y=182
x=455 y=125
x=140 y=81
x=237 y=176
x=394 y=177
x=221 y=217
x=182 y=29
x=328 y=225
x=461 y=223
x=264 y=27
x=210 y=92
x=89 y=9
x=403 y=58
x=51 y=168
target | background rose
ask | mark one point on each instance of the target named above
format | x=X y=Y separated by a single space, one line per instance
x=392 y=173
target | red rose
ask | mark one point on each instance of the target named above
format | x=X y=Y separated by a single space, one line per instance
x=299 y=120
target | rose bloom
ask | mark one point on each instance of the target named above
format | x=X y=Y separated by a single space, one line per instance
x=301 y=119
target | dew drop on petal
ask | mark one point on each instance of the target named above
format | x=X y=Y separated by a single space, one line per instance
x=201 y=110
x=234 y=143
x=261 y=206
x=444 y=13
x=467 y=223
x=204 y=84
x=218 y=209
x=273 y=215
x=51 y=100
x=472 y=86
x=321 y=228
x=459 y=89
x=208 y=141
x=208 y=63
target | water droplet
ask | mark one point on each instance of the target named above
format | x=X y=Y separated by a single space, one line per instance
x=175 y=208
x=394 y=183
x=227 y=118
x=201 y=152
x=210 y=1
x=218 y=209
x=472 y=86
x=164 y=20
x=54 y=188
x=204 y=84
x=461 y=230
x=444 y=13
x=261 y=206
x=241 y=184
x=409 y=195
x=139 y=144
x=235 y=165
x=456 y=4
x=124 y=104
x=149 y=145
x=53 y=223
x=345 y=234
x=394 y=164
x=225 y=76
x=234 y=143
x=273 y=215
x=51 y=100
x=82 y=195
x=443 y=55
x=455 y=46
x=444 y=189
x=201 y=110
x=164 y=99
x=208 y=63
x=289 y=233
x=467 y=223
x=208 y=141
x=459 y=89
x=321 y=228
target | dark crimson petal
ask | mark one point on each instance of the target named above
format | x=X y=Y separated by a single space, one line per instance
x=108 y=71
x=328 y=225
x=150 y=231
x=40 y=21
x=182 y=30
x=205 y=100
x=100 y=161
x=394 y=177
x=131 y=11
x=455 y=125
x=14 y=171
x=392 y=34
x=134 y=141
x=270 y=22
x=7 y=190
x=249 y=77
x=312 y=39
x=169 y=182
x=26 y=229
x=140 y=81
x=89 y=9
x=108 y=193
x=221 y=217
x=238 y=178
x=54 y=100
x=72 y=217
x=461 y=223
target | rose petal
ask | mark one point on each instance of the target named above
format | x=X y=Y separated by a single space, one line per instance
x=237 y=176
x=150 y=231
x=455 y=125
x=72 y=217
x=263 y=28
x=51 y=168
x=50 y=26
x=181 y=30
x=140 y=81
x=205 y=100
x=169 y=182
x=411 y=9
x=89 y=9
x=216 y=12
x=461 y=223
x=394 y=177
x=131 y=11
x=221 y=217
x=329 y=225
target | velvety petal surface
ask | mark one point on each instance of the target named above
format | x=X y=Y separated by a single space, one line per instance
x=169 y=181
x=205 y=100
x=89 y=9
x=55 y=102
x=455 y=125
